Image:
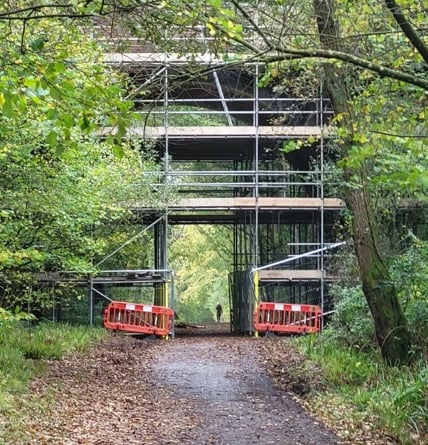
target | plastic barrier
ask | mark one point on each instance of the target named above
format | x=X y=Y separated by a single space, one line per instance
x=287 y=318
x=138 y=318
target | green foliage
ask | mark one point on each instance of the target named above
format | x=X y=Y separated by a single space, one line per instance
x=184 y=115
x=351 y=324
x=14 y=373
x=21 y=346
x=393 y=400
x=50 y=82
x=52 y=341
x=404 y=407
x=61 y=216
x=201 y=272
x=9 y=320
x=62 y=188
x=410 y=273
x=24 y=350
x=349 y=365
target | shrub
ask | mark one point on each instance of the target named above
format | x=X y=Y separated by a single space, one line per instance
x=417 y=318
x=409 y=271
x=352 y=324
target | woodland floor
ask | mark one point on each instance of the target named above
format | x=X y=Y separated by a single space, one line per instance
x=204 y=387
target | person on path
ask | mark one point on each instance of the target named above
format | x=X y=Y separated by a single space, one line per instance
x=219 y=311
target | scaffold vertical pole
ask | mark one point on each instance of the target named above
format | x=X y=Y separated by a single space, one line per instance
x=256 y=294
x=91 y=303
x=172 y=303
x=322 y=282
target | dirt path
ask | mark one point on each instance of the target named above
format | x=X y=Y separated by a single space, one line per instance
x=190 y=391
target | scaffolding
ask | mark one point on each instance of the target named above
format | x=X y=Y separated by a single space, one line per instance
x=226 y=146
x=89 y=294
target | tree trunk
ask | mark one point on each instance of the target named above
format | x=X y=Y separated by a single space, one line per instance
x=392 y=333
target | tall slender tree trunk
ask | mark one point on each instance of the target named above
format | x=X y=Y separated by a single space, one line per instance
x=392 y=333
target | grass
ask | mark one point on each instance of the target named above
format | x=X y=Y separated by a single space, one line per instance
x=383 y=398
x=24 y=351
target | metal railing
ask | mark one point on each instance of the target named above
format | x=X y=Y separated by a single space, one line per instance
x=280 y=183
x=235 y=111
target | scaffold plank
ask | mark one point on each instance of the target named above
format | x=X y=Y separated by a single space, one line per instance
x=260 y=203
x=291 y=275
x=148 y=58
x=226 y=132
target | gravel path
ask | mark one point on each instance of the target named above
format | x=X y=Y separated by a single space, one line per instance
x=195 y=390
x=232 y=398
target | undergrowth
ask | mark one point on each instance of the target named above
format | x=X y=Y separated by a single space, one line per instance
x=24 y=351
x=380 y=397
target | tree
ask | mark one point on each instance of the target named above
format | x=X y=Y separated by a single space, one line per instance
x=63 y=190
x=194 y=249
x=392 y=333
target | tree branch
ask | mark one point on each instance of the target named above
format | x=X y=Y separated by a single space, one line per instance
x=17 y=14
x=68 y=10
x=407 y=28
x=353 y=60
x=284 y=53
x=253 y=23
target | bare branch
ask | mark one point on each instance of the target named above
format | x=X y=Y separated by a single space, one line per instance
x=257 y=29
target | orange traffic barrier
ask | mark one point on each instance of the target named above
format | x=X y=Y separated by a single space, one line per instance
x=138 y=318
x=287 y=318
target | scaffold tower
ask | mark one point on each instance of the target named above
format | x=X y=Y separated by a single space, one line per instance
x=221 y=139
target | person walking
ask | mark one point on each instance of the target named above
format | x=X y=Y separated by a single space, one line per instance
x=219 y=311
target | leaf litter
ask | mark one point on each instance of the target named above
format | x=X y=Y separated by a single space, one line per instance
x=195 y=389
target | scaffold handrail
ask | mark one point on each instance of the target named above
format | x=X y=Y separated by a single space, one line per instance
x=273 y=99
x=296 y=257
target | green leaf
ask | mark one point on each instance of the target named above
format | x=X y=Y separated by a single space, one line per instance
x=67 y=120
x=58 y=67
x=52 y=114
x=52 y=139
x=85 y=123
x=38 y=43
x=118 y=151
x=7 y=104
